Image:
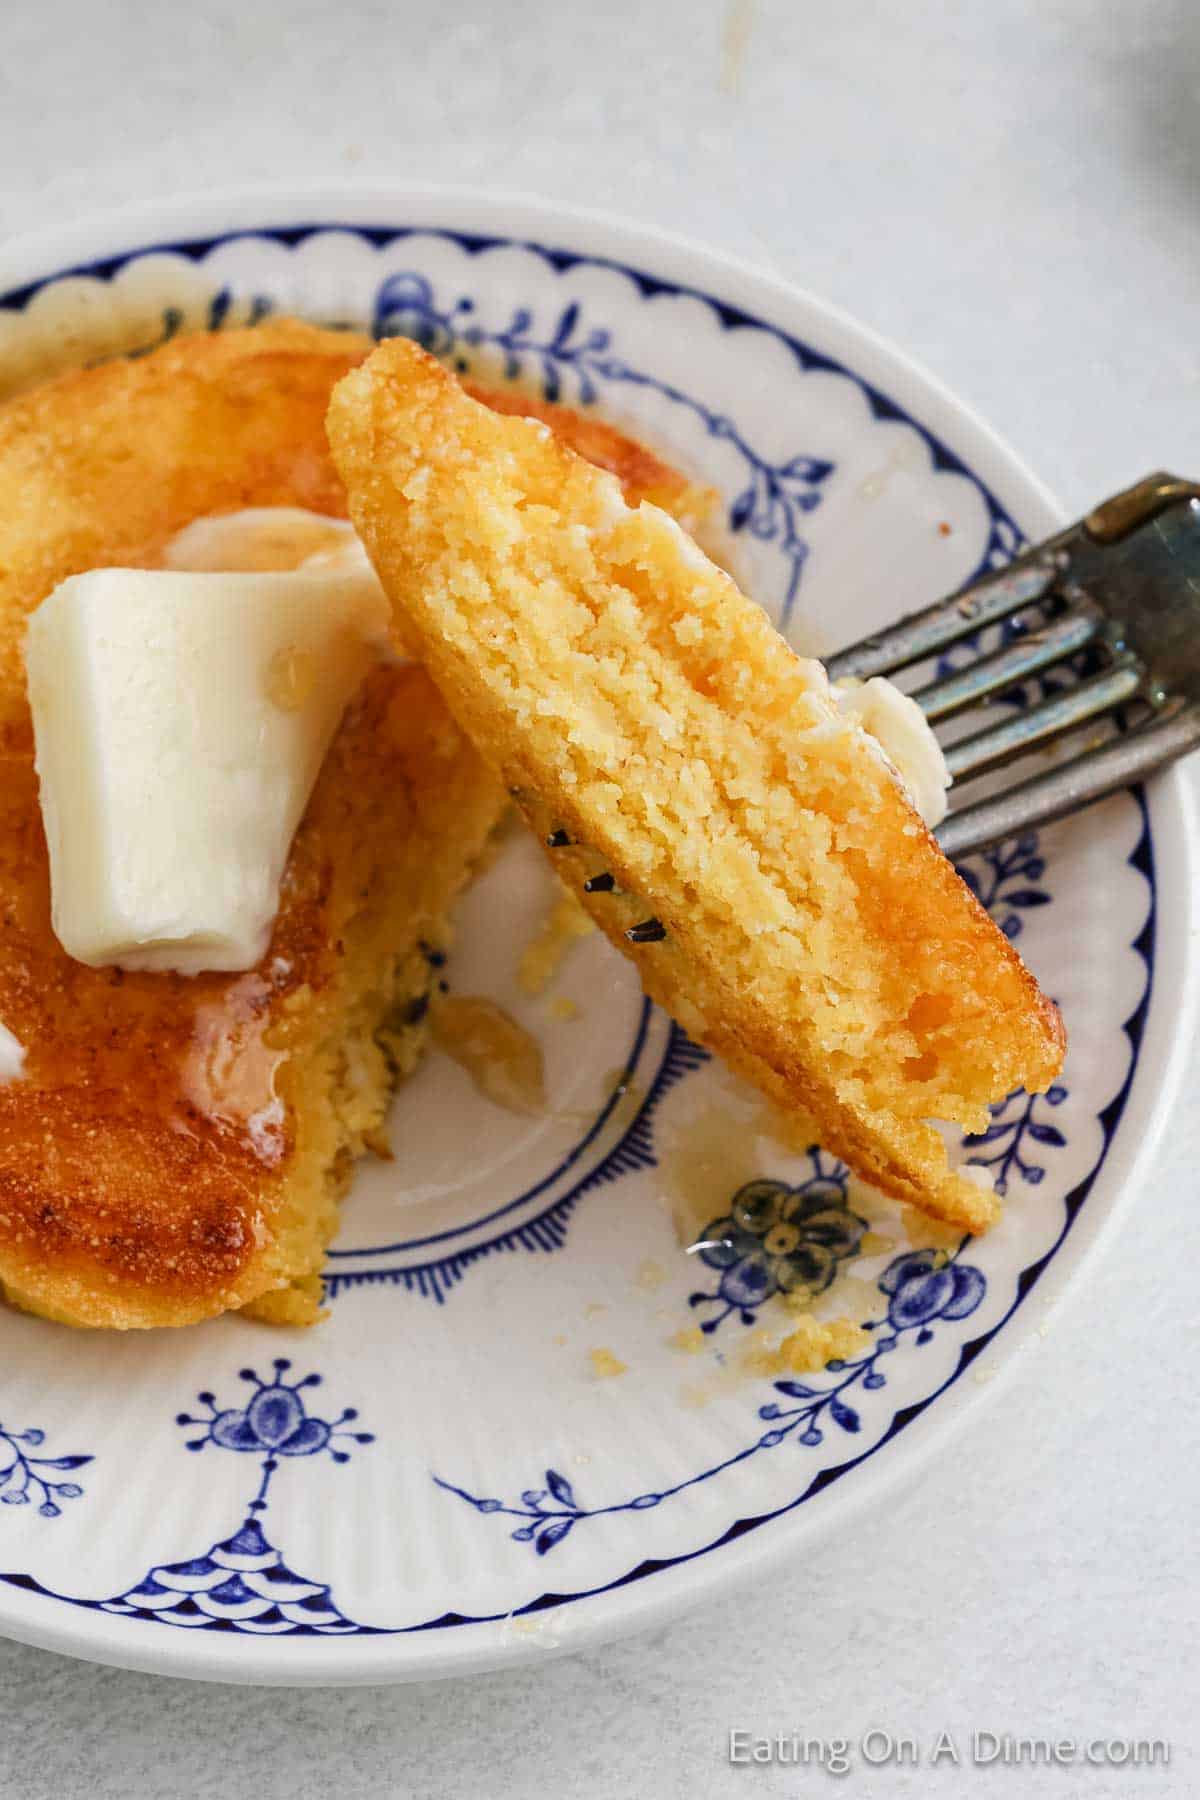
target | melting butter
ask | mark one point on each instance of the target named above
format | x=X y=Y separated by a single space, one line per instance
x=501 y=1057
x=904 y=735
x=291 y=676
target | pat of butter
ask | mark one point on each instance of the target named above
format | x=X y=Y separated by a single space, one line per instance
x=904 y=734
x=181 y=720
x=257 y=538
x=276 y=537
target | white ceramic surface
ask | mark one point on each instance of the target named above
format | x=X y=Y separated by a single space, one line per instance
x=860 y=489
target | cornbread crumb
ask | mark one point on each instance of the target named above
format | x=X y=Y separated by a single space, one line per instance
x=650 y=1276
x=377 y=1141
x=926 y=1233
x=690 y=1339
x=812 y=1345
x=604 y=1364
x=564 y=924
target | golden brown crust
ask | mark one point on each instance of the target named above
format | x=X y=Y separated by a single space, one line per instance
x=643 y=474
x=146 y=1177
x=630 y=695
x=133 y=1185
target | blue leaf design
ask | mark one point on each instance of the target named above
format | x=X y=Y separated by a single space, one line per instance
x=1046 y=1134
x=807 y=468
x=566 y=325
x=796 y=1389
x=560 y=1487
x=62 y=1462
x=844 y=1415
x=1027 y=897
x=553 y=1534
x=741 y=509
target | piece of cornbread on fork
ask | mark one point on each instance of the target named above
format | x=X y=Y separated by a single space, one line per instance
x=773 y=883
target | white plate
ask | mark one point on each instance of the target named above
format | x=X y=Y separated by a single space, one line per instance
x=460 y=1488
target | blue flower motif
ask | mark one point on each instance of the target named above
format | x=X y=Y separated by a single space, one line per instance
x=922 y=1287
x=242 y=1583
x=777 y=1239
x=274 y=1423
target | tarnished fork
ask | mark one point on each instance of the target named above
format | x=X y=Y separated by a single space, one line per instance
x=1124 y=584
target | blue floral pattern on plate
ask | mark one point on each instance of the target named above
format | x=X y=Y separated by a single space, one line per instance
x=777 y=1239
x=242 y=1583
x=922 y=1287
x=26 y=1479
x=927 y=1298
x=575 y=363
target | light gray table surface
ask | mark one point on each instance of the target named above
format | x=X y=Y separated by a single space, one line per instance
x=1010 y=189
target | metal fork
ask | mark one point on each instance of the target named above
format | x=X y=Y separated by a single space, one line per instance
x=1122 y=585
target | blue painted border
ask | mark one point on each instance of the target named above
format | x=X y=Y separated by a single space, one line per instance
x=572 y=1156
x=1141 y=857
x=634 y=1149
x=561 y=260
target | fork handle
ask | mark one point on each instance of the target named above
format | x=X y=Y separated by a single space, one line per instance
x=1077 y=783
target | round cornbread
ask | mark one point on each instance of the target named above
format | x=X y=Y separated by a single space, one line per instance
x=176 y=1147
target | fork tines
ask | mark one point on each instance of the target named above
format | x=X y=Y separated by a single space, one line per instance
x=1124 y=585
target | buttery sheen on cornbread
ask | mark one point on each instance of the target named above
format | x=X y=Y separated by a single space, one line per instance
x=642 y=709
x=171 y=1147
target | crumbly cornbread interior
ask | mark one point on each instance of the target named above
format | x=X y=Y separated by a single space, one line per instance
x=638 y=706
